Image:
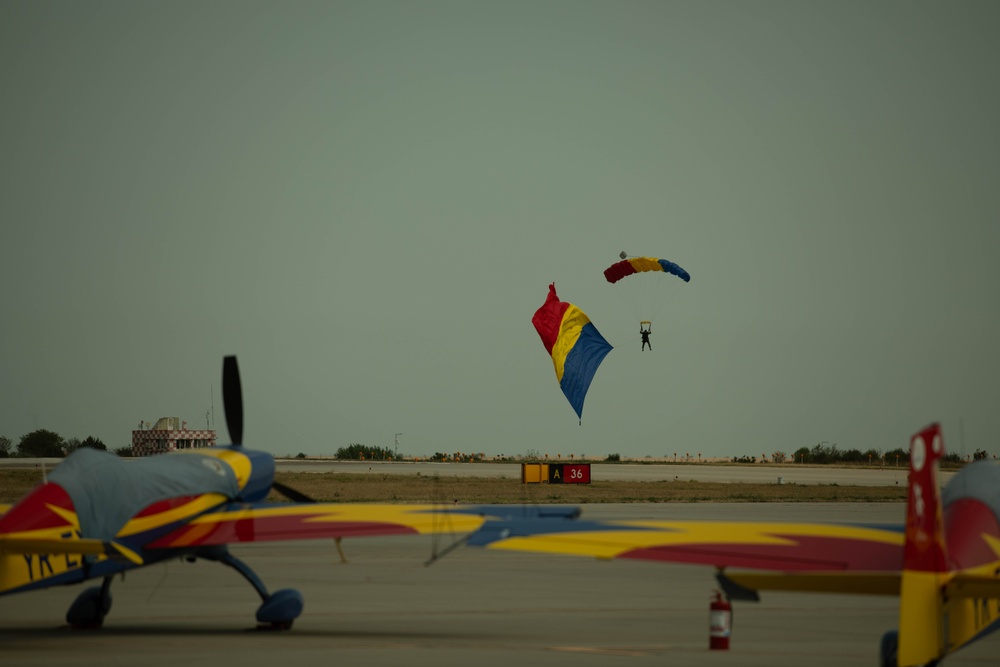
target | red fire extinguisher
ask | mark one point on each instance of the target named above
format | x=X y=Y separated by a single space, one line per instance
x=720 y=623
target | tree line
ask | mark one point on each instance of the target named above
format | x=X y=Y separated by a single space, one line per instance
x=824 y=453
x=43 y=443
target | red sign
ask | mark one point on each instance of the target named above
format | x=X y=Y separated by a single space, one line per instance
x=576 y=473
x=569 y=473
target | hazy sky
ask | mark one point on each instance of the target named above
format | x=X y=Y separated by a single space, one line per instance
x=366 y=202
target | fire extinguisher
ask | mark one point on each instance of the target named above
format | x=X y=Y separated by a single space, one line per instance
x=720 y=623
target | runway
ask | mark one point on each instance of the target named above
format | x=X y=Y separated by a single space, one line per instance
x=764 y=474
x=473 y=607
x=634 y=472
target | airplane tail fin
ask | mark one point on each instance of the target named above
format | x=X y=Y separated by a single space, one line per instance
x=924 y=550
x=925 y=558
x=40 y=541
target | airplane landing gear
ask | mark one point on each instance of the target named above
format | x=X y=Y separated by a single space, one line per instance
x=279 y=609
x=90 y=607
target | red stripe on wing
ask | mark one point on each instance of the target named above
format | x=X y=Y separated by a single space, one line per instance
x=816 y=554
x=166 y=505
x=966 y=522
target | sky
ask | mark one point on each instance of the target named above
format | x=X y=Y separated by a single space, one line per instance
x=366 y=202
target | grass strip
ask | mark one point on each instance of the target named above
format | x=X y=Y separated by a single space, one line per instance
x=379 y=487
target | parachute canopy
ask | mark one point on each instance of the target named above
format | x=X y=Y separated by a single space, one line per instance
x=645 y=284
x=634 y=265
x=576 y=346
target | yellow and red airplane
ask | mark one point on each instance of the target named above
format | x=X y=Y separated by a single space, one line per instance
x=943 y=563
x=98 y=515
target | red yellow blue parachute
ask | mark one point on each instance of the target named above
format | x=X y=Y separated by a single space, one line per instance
x=645 y=284
x=633 y=265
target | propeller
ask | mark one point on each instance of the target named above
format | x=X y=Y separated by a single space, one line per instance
x=291 y=494
x=232 y=398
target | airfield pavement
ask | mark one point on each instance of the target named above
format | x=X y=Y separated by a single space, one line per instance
x=633 y=472
x=473 y=607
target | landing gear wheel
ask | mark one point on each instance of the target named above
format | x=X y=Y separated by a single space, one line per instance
x=888 y=648
x=280 y=609
x=90 y=608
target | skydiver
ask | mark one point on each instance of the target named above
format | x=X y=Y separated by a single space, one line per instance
x=645 y=337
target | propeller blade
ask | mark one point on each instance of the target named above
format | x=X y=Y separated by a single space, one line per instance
x=291 y=493
x=232 y=397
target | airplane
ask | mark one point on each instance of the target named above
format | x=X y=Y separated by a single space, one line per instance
x=943 y=563
x=97 y=515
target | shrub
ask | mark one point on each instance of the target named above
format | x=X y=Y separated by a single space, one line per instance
x=358 y=452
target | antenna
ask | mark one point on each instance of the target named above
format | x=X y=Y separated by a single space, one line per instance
x=211 y=393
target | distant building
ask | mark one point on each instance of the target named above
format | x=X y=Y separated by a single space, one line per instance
x=169 y=435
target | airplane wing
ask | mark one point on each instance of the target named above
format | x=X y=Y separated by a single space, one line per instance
x=745 y=584
x=780 y=547
x=49 y=545
x=239 y=522
x=974 y=585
